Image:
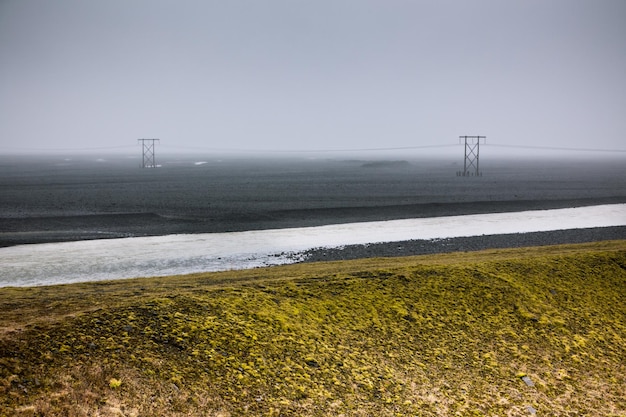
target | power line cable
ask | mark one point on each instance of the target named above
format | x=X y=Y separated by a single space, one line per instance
x=556 y=148
x=399 y=148
x=325 y=150
x=100 y=148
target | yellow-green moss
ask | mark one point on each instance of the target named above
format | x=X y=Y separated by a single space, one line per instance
x=409 y=336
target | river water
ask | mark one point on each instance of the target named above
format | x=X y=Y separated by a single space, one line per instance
x=91 y=260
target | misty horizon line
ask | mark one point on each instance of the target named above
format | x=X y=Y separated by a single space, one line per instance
x=182 y=149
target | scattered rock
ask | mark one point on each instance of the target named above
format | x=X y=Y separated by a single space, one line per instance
x=312 y=363
x=528 y=381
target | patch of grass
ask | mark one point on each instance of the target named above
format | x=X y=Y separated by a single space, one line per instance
x=455 y=334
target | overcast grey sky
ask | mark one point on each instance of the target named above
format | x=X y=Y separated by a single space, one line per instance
x=323 y=74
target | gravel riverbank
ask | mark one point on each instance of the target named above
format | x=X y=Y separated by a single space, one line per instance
x=465 y=244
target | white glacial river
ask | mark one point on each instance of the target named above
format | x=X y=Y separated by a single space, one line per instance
x=92 y=260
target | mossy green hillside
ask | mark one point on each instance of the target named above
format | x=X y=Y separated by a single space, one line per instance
x=426 y=336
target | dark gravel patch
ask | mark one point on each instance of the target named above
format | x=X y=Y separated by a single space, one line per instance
x=465 y=244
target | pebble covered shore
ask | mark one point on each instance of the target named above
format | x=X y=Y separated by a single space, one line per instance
x=465 y=244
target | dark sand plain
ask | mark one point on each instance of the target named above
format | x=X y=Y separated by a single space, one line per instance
x=63 y=198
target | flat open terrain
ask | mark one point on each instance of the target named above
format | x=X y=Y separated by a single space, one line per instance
x=497 y=332
x=56 y=198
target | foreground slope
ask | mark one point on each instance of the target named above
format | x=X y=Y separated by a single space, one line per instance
x=501 y=332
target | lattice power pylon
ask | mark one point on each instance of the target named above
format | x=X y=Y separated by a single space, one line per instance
x=148 y=160
x=471 y=163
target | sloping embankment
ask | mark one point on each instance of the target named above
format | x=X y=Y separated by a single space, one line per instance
x=500 y=332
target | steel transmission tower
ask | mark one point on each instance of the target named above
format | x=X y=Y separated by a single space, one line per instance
x=148 y=160
x=472 y=152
